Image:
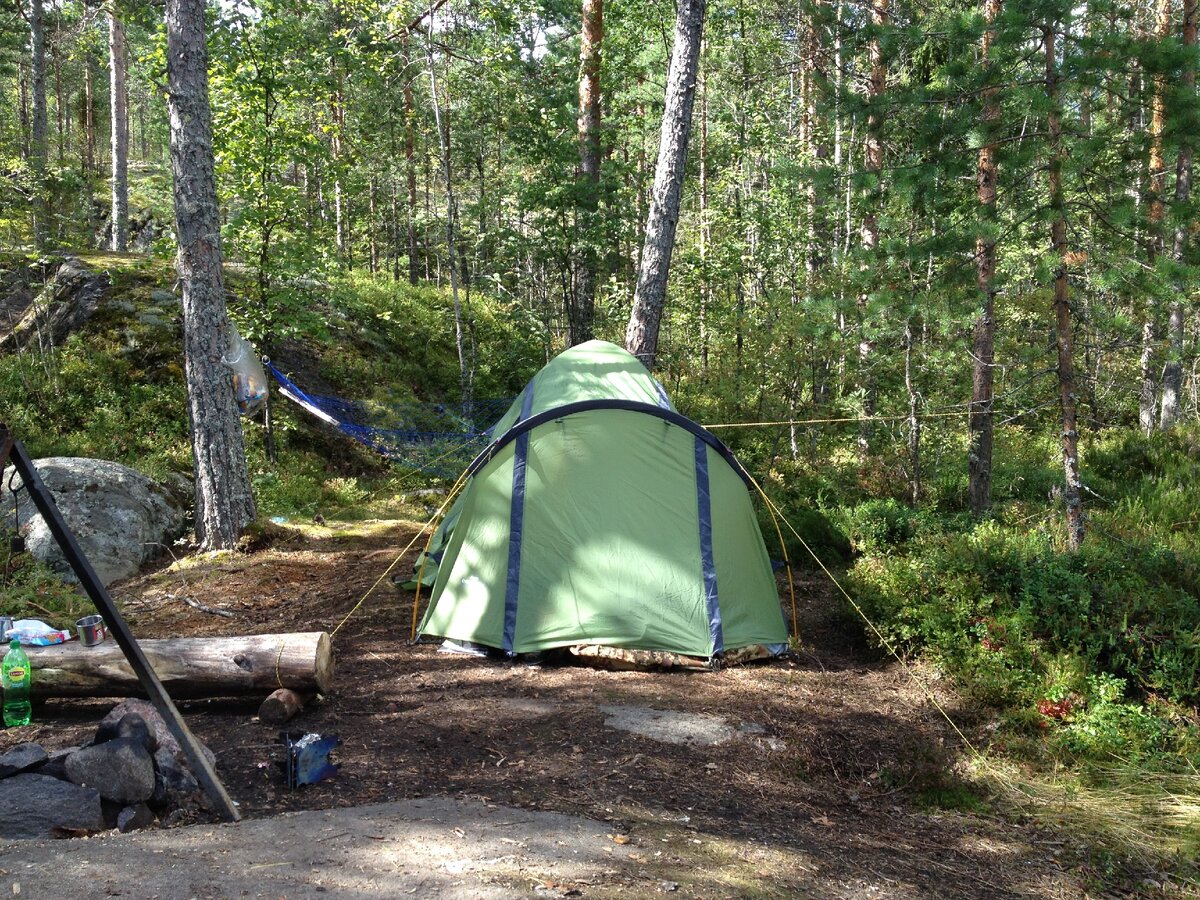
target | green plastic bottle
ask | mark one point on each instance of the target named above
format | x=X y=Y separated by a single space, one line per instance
x=15 y=672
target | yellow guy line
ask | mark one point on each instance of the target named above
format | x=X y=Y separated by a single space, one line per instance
x=399 y=557
x=924 y=415
x=882 y=640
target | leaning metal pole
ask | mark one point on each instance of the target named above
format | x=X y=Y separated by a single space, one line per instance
x=44 y=501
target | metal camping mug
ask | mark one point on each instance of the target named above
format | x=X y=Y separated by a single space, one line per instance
x=91 y=630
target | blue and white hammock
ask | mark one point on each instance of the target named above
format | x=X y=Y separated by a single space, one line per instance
x=432 y=437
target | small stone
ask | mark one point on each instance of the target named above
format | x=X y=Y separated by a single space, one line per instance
x=33 y=806
x=151 y=718
x=134 y=818
x=21 y=758
x=121 y=770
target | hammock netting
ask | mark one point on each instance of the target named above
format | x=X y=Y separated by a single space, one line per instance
x=437 y=438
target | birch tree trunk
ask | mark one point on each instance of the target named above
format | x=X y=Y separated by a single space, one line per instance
x=1172 y=380
x=224 y=503
x=980 y=425
x=38 y=137
x=583 y=300
x=1156 y=172
x=465 y=363
x=1072 y=492
x=641 y=335
x=869 y=232
x=119 y=99
x=89 y=114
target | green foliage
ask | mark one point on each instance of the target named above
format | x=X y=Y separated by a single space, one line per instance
x=32 y=591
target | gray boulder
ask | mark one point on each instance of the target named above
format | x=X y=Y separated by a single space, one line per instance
x=134 y=818
x=120 y=517
x=32 y=806
x=20 y=758
x=68 y=300
x=121 y=770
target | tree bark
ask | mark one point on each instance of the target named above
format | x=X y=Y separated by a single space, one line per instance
x=465 y=361
x=281 y=705
x=1172 y=379
x=583 y=305
x=410 y=171
x=224 y=503
x=1156 y=172
x=89 y=115
x=188 y=667
x=641 y=335
x=119 y=100
x=1072 y=492
x=981 y=422
x=869 y=232
x=38 y=137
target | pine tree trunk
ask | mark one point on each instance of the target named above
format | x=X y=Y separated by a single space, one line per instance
x=1172 y=379
x=119 y=97
x=641 y=335
x=224 y=504
x=1072 y=492
x=583 y=306
x=981 y=423
x=38 y=138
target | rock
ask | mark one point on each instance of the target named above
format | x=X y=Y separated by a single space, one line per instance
x=121 y=770
x=20 y=758
x=131 y=725
x=174 y=783
x=56 y=765
x=144 y=710
x=120 y=517
x=32 y=806
x=68 y=300
x=134 y=818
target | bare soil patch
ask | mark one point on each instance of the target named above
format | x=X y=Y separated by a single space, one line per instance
x=821 y=790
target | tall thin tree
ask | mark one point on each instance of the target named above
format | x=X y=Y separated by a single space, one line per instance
x=641 y=335
x=1072 y=488
x=980 y=425
x=38 y=137
x=119 y=99
x=224 y=503
x=1172 y=379
x=583 y=297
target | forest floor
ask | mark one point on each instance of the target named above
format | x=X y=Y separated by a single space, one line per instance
x=835 y=782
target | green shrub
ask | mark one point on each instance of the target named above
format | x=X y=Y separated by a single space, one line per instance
x=880 y=526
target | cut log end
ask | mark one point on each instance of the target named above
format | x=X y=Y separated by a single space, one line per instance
x=282 y=705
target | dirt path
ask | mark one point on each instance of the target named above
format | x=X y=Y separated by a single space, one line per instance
x=833 y=780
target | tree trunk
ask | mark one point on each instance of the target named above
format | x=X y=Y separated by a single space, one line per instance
x=1156 y=171
x=188 y=667
x=641 y=335
x=583 y=305
x=465 y=364
x=224 y=503
x=1072 y=492
x=869 y=233
x=410 y=170
x=1172 y=379
x=89 y=115
x=981 y=422
x=38 y=138
x=119 y=98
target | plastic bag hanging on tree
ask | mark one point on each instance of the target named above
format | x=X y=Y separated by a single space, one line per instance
x=249 y=379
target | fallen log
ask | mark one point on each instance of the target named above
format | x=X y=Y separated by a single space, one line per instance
x=282 y=705
x=189 y=668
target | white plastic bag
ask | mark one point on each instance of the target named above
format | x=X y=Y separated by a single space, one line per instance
x=249 y=379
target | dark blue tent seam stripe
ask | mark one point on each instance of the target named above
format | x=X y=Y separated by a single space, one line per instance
x=707 y=561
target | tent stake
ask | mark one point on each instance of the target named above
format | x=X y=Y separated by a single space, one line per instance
x=44 y=501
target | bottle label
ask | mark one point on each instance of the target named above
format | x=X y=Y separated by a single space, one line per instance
x=16 y=675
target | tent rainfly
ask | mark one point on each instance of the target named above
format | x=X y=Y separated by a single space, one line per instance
x=600 y=516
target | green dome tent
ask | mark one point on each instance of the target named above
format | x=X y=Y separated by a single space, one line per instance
x=601 y=516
